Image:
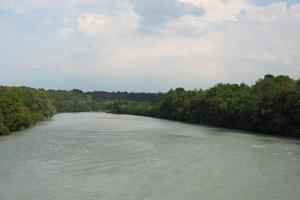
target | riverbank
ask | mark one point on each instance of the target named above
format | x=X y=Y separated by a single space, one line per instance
x=271 y=106
x=22 y=107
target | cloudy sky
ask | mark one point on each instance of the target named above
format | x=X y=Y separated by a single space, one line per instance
x=146 y=45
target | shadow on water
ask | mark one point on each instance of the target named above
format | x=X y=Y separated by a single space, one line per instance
x=215 y=130
x=258 y=136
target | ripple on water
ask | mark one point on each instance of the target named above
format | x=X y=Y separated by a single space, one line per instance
x=258 y=146
x=80 y=157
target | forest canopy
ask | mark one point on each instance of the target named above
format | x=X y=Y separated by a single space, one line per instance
x=271 y=105
x=21 y=107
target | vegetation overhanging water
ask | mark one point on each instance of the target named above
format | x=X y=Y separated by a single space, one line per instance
x=271 y=105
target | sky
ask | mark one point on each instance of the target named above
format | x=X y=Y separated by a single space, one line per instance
x=146 y=45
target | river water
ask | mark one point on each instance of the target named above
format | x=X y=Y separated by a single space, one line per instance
x=91 y=156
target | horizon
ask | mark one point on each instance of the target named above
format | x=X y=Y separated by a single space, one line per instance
x=149 y=92
x=146 y=46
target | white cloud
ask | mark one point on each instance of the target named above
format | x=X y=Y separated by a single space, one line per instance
x=219 y=10
x=232 y=41
x=65 y=31
x=92 y=23
x=122 y=20
x=260 y=40
x=24 y=6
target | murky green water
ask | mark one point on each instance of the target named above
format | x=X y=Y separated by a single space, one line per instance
x=91 y=156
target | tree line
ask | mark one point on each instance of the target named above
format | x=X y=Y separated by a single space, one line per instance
x=74 y=101
x=21 y=107
x=127 y=96
x=271 y=105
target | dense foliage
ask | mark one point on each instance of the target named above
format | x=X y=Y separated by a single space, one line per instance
x=271 y=105
x=74 y=101
x=21 y=107
x=126 y=96
x=134 y=108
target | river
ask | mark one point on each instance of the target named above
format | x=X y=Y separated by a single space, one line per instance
x=94 y=156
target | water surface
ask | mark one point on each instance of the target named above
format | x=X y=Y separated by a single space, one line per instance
x=91 y=156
